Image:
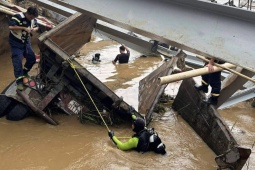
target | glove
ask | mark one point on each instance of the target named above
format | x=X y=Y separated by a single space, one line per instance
x=111 y=134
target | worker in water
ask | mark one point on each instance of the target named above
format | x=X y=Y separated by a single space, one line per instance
x=96 y=58
x=212 y=79
x=144 y=139
x=123 y=57
x=21 y=26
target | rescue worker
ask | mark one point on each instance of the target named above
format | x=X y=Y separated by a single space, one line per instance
x=212 y=79
x=143 y=140
x=96 y=58
x=122 y=57
x=21 y=26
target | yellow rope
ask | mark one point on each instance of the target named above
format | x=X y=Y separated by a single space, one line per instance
x=74 y=68
x=124 y=137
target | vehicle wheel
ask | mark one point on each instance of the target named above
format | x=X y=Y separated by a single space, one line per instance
x=18 y=112
x=4 y=103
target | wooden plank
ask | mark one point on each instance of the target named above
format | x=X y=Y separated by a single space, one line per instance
x=45 y=35
x=50 y=96
x=71 y=34
x=149 y=89
x=36 y=110
x=203 y=118
x=82 y=71
x=75 y=34
x=206 y=121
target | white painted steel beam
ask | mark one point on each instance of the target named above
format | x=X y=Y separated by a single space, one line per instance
x=235 y=85
x=239 y=97
x=201 y=27
x=108 y=30
x=117 y=34
x=144 y=47
x=104 y=29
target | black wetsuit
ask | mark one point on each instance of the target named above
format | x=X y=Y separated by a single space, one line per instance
x=122 y=58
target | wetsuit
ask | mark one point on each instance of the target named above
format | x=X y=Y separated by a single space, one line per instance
x=130 y=144
x=139 y=142
x=143 y=140
x=21 y=46
x=122 y=58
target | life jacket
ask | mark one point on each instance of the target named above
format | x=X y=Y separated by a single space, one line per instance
x=22 y=21
x=149 y=140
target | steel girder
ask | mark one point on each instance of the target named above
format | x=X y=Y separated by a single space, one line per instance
x=135 y=43
x=239 y=97
x=109 y=31
x=201 y=27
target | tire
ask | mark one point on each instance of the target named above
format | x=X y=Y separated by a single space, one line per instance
x=5 y=102
x=18 y=112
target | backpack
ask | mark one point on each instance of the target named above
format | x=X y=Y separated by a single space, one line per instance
x=149 y=140
x=156 y=144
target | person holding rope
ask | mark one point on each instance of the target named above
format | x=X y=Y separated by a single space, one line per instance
x=212 y=79
x=21 y=26
x=144 y=139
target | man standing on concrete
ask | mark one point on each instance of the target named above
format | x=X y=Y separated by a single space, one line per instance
x=122 y=57
x=21 y=26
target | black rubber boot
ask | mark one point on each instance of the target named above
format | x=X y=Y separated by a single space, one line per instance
x=203 y=88
x=213 y=100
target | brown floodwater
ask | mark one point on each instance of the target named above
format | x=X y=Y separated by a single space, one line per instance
x=32 y=144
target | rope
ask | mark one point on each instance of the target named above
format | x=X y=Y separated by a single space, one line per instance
x=124 y=137
x=74 y=68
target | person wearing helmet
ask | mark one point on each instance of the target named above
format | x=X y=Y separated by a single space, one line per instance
x=143 y=140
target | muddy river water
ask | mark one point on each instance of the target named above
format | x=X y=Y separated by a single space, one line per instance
x=31 y=144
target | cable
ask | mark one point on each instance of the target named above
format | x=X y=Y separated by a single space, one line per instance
x=74 y=68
